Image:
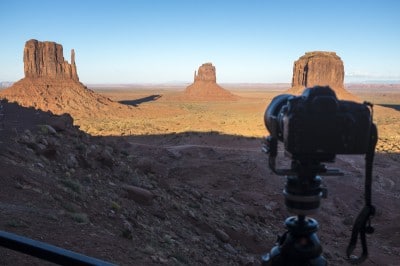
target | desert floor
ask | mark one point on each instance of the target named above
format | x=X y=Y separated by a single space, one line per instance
x=164 y=111
x=206 y=195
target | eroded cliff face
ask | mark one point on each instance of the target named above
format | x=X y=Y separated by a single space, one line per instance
x=320 y=68
x=46 y=60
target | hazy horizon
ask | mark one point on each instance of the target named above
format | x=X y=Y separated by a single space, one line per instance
x=120 y=42
x=166 y=83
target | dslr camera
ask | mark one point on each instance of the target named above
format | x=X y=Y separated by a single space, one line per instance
x=318 y=125
x=314 y=127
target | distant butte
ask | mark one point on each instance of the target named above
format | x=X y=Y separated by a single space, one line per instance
x=52 y=84
x=320 y=68
x=205 y=86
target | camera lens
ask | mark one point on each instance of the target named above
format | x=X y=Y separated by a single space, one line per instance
x=271 y=116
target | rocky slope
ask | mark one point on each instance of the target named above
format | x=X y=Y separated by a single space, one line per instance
x=60 y=96
x=179 y=199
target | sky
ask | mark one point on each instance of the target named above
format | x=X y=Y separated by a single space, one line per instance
x=162 y=41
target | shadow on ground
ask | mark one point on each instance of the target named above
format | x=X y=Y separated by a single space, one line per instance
x=136 y=102
x=393 y=106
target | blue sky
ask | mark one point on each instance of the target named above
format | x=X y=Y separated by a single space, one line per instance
x=156 y=41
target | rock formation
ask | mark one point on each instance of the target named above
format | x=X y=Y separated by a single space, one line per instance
x=45 y=59
x=205 y=85
x=319 y=68
x=206 y=73
x=52 y=84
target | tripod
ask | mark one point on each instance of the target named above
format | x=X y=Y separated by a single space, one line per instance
x=299 y=245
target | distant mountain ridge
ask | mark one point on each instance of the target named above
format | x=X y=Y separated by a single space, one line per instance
x=6 y=84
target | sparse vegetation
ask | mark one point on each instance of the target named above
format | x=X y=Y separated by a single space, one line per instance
x=115 y=206
x=74 y=185
x=17 y=223
x=243 y=117
x=81 y=218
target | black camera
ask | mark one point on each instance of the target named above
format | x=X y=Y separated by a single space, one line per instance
x=314 y=127
x=318 y=125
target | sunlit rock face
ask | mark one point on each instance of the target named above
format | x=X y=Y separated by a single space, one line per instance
x=46 y=60
x=320 y=68
x=52 y=84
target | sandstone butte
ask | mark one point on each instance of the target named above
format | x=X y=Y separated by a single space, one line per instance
x=320 y=68
x=52 y=84
x=45 y=59
x=205 y=87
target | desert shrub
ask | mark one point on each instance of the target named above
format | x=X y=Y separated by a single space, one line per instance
x=81 y=218
x=74 y=185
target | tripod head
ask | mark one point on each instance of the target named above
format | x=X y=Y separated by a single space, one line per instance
x=303 y=192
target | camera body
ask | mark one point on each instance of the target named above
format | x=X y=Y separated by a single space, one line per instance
x=316 y=125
